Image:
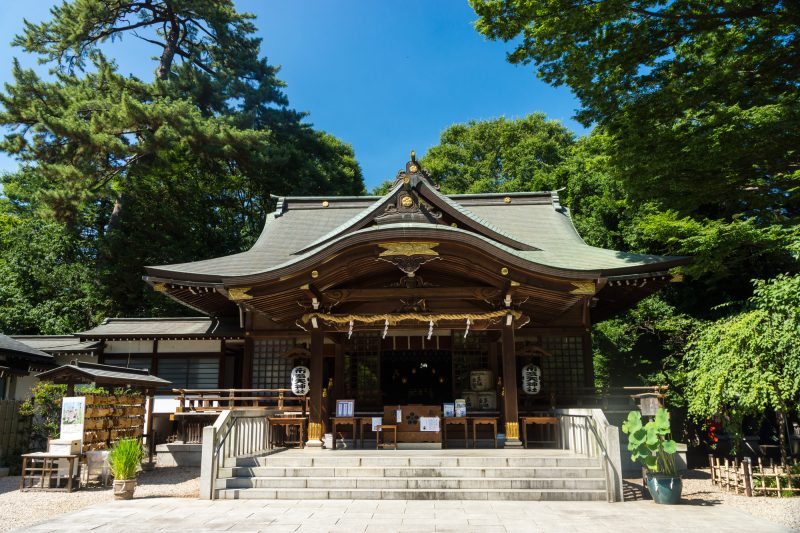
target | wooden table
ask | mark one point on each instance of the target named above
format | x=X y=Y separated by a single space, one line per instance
x=365 y=421
x=344 y=421
x=540 y=420
x=41 y=466
x=288 y=422
x=382 y=429
x=455 y=421
x=483 y=421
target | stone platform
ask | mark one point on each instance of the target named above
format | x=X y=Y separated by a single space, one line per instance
x=451 y=474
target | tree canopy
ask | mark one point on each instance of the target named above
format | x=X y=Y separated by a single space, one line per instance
x=146 y=171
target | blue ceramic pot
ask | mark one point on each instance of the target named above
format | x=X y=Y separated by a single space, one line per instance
x=664 y=489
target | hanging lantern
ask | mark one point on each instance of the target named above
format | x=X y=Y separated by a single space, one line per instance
x=300 y=378
x=531 y=379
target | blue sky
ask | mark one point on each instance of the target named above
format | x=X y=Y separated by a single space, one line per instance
x=384 y=76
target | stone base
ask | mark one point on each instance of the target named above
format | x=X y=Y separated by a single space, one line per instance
x=179 y=454
x=314 y=443
x=513 y=443
x=419 y=445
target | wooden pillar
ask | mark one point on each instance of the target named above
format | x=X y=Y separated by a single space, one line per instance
x=338 y=371
x=247 y=363
x=510 y=410
x=316 y=424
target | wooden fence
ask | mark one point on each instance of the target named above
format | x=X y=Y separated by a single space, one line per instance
x=15 y=433
x=744 y=477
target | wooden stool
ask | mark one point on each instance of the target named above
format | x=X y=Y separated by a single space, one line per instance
x=344 y=421
x=456 y=421
x=541 y=420
x=488 y=421
x=381 y=429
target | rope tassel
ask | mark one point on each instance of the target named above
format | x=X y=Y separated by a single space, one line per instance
x=466 y=331
x=430 y=330
x=350 y=331
x=385 y=327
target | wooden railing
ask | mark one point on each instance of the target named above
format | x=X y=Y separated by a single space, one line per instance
x=218 y=400
x=235 y=433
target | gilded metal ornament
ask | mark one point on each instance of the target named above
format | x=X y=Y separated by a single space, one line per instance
x=160 y=287
x=325 y=203
x=314 y=274
x=504 y=271
x=406 y=201
x=583 y=287
x=507 y=200
x=239 y=293
x=314 y=431
x=512 y=430
x=408 y=248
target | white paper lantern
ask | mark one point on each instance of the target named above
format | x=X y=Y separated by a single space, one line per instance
x=300 y=378
x=531 y=379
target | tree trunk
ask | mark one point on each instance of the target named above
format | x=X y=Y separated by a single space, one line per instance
x=116 y=213
x=170 y=47
x=782 y=435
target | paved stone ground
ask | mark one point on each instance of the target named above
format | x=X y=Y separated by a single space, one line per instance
x=174 y=514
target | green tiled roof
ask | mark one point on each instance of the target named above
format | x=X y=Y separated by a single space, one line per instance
x=301 y=227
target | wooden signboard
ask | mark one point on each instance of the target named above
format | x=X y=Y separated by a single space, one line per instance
x=408 y=428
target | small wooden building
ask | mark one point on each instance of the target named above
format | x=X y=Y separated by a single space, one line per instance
x=398 y=299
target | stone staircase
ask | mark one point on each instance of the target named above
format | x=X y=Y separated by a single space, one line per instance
x=414 y=475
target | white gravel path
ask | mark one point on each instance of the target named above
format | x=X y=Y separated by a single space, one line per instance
x=698 y=490
x=18 y=509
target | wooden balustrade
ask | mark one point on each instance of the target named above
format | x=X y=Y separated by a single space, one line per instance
x=218 y=400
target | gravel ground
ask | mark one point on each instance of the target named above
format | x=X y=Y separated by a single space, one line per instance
x=698 y=490
x=18 y=509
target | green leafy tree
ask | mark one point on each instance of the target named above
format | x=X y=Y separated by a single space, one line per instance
x=500 y=155
x=45 y=408
x=176 y=168
x=701 y=98
x=748 y=363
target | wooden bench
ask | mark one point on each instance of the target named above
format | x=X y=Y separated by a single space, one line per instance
x=455 y=421
x=287 y=422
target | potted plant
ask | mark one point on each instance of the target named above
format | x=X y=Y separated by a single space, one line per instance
x=124 y=460
x=651 y=445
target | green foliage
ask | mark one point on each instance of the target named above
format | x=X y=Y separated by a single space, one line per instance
x=709 y=88
x=121 y=172
x=500 y=155
x=125 y=457
x=651 y=443
x=749 y=362
x=45 y=408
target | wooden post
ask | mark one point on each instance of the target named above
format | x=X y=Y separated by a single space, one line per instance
x=711 y=464
x=316 y=424
x=748 y=477
x=338 y=370
x=510 y=409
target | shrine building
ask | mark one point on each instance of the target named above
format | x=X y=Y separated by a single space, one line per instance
x=410 y=298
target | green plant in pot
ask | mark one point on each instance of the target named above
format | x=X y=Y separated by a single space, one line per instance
x=124 y=460
x=651 y=445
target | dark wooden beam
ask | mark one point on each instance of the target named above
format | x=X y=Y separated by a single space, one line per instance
x=429 y=293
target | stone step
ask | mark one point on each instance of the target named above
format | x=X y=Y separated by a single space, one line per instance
x=409 y=483
x=414 y=494
x=422 y=472
x=339 y=461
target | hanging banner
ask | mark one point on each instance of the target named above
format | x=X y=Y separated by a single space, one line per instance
x=72 y=411
x=300 y=380
x=531 y=379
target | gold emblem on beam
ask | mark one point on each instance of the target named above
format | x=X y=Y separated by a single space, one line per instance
x=160 y=287
x=239 y=293
x=583 y=287
x=408 y=248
